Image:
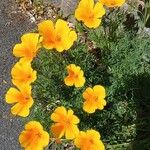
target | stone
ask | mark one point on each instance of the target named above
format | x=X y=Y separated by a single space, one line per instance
x=68 y=7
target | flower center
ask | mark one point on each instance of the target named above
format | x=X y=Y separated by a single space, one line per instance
x=58 y=38
x=38 y=135
x=29 y=76
x=34 y=135
x=91 y=16
x=112 y=3
x=25 y=77
x=91 y=141
x=25 y=99
x=72 y=74
x=33 y=54
x=68 y=122
x=96 y=99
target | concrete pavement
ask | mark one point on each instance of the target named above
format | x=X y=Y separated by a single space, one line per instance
x=12 y=26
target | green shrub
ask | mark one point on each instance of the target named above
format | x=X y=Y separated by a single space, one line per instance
x=113 y=58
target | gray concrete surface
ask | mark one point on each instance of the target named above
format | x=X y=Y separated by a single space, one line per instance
x=68 y=7
x=12 y=26
x=56 y=3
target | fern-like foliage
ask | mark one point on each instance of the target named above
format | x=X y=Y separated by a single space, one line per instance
x=117 y=59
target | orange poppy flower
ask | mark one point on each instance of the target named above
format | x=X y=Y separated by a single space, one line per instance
x=66 y=123
x=34 y=137
x=89 y=13
x=21 y=98
x=89 y=140
x=75 y=76
x=94 y=98
x=22 y=73
x=28 y=47
x=58 y=36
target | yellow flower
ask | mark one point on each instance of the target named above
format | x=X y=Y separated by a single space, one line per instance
x=66 y=123
x=94 y=98
x=22 y=73
x=112 y=3
x=28 y=47
x=75 y=76
x=89 y=140
x=58 y=36
x=21 y=98
x=34 y=137
x=89 y=13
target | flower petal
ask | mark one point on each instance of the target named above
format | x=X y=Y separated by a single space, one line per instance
x=87 y=93
x=112 y=3
x=93 y=134
x=93 y=23
x=19 y=50
x=45 y=138
x=71 y=132
x=80 y=139
x=70 y=40
x=80 y=82
x=101 y=103
x=61 y=35
x=68 y=81
x=59 y=114
x=99 y=91
x=20 y=110
x=89 y=107
x=25 y=89
x=12 y=95
x=99 y=10
x=58 y=130
x=61 y=28
x=74 y=119
x=34 y=125
x=23 y=140
x=46 y=29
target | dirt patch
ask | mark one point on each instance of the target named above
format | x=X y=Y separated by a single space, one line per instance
x=38 y=11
